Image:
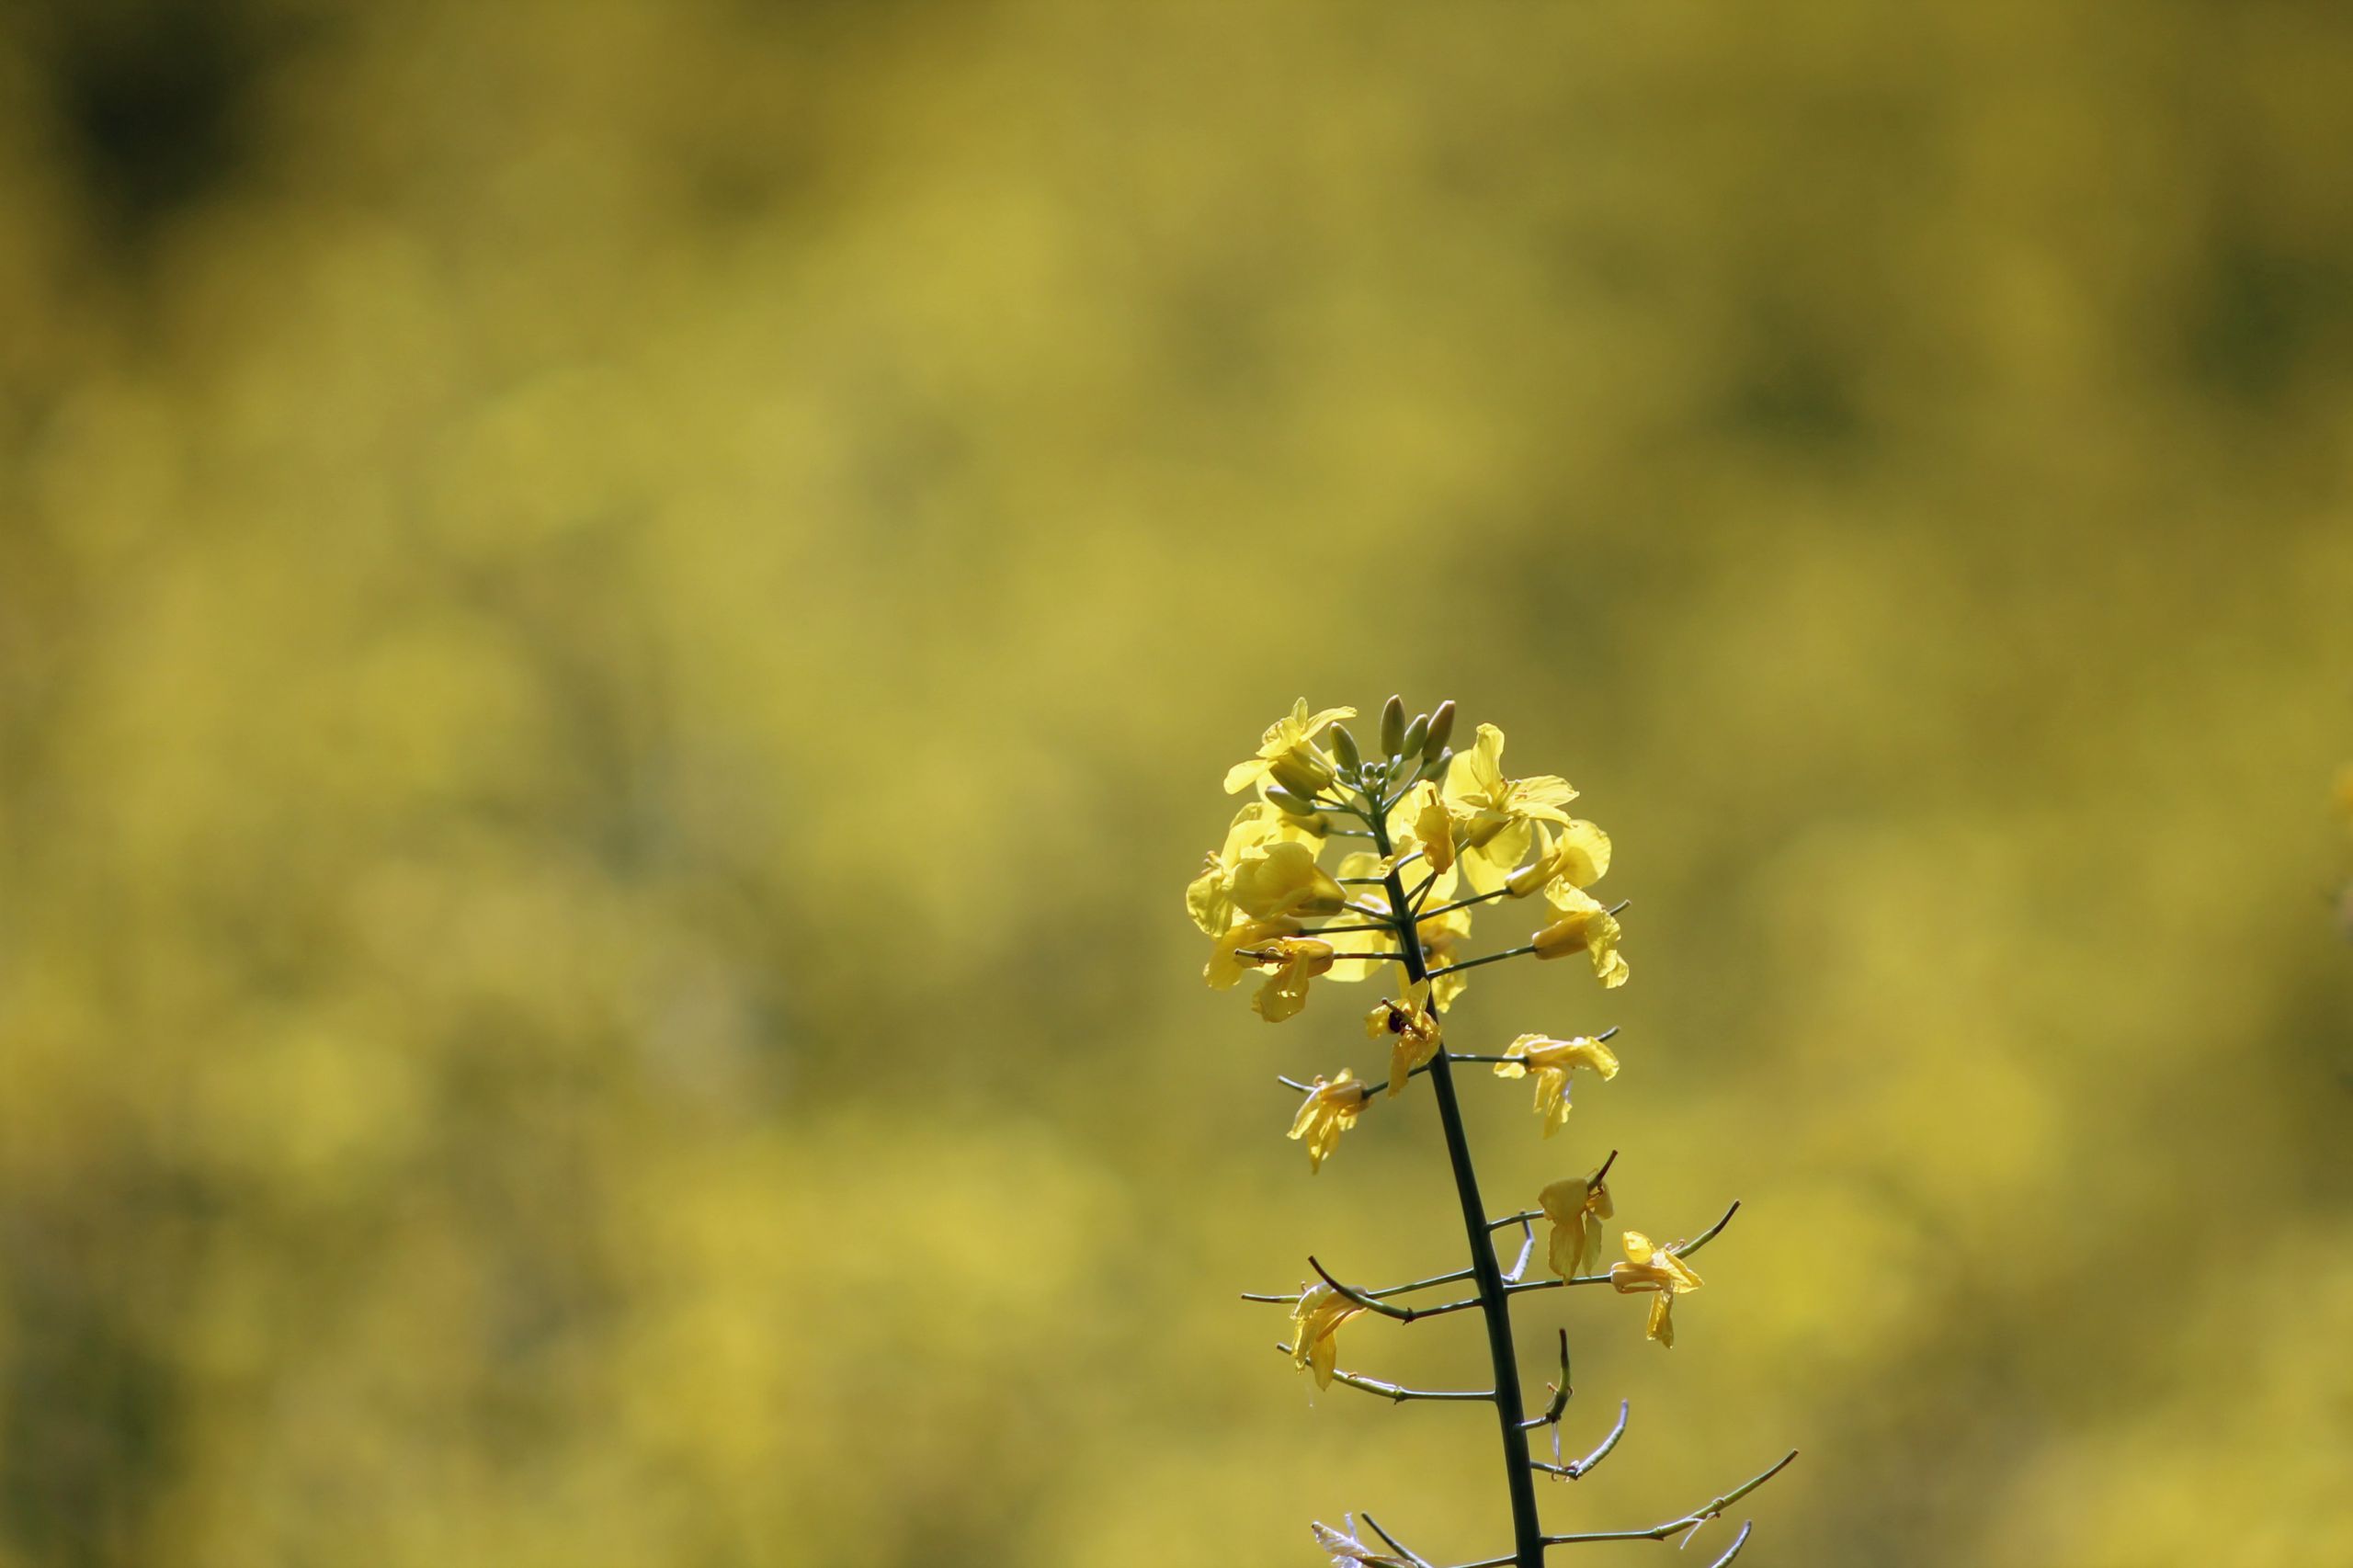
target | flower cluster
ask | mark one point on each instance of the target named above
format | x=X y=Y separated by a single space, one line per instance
x=1450 y=817
x=1420 y=837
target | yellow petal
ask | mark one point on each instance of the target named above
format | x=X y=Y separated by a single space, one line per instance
x=1581 y=856
x=1661 y=1324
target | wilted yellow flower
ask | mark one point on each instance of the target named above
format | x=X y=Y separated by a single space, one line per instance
x=1653 y=1267
x=1234 y=953
x=1294 y=961
x=1586 y=928
x=1330 y=1110
x=1315 y=1328
x=1494 y=817
x=1287 y=753
x=1410 y=1028
x=1209 y=899
x=1550 y=1061
x=1282 y=879
x=1576 y=1208
x=1347 y=1552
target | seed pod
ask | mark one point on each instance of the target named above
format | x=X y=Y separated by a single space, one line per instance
x=1416 y=733
x=1343 y=746
x=1392 y=726
x=1441 y=730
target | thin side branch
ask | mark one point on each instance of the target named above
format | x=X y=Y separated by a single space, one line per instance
x=1370 y=1302
x=1560 y=1393
x=1578 y=1467
x=1401 y=1548
x=1711 y=1233
x=1526 y=1251
x=1474 y=963
x=1691 y=1520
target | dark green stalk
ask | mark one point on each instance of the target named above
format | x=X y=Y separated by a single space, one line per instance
x=1494 y=1306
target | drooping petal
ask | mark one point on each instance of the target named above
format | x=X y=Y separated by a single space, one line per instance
x=1227 y=965
x=1661 y=1326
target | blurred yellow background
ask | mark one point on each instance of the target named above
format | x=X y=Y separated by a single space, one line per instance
x=619 y=621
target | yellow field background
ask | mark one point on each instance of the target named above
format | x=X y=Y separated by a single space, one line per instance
x=619 y=622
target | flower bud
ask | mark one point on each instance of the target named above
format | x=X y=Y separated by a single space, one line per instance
x=1571 y=934
x=1392 y=726
x=1416 y=733
x=1291 y=804
x=1343 y=746
x=1301 y=772
x=1441 y=730
x=1533 y=875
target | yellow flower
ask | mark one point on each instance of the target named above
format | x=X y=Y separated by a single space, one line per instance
x=1550 y=1061
x=1577 y=856
x=1422 y=817
x=1576 y=1208
x=1283 y=879
x=1442 y=935
x=1209 y=899
x=1315 y=1328
x=1235 y=951
x=1287 y=753
x=1412 y=1031
x=1294 y=961
x=1653 y=1267
x=1330 y=1110
x=1586 y=928
x=1494 y=816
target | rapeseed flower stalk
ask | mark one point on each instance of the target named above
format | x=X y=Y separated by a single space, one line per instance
x=1428 y=819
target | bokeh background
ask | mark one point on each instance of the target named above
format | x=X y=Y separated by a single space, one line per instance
x=620 y=620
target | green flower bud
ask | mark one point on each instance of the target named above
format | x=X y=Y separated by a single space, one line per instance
x=1441 y=728
x=1392 y=727
x=1291 y=804
x=1343 y=746
x=1416 y=733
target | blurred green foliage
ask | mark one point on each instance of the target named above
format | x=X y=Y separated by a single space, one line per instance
x=619 y=624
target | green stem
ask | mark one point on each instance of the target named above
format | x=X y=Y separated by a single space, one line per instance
x=1527 y=1529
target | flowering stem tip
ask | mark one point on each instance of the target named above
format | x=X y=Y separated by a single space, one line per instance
x=1471 y=836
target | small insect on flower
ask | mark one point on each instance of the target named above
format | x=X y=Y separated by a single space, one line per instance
x=1314 y=1330
x=1346 y=1551
x=1550 y=1061
x=1650 y=1266
x=1330 y=1110
x=1576 y=1208
x=1410 y=1028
